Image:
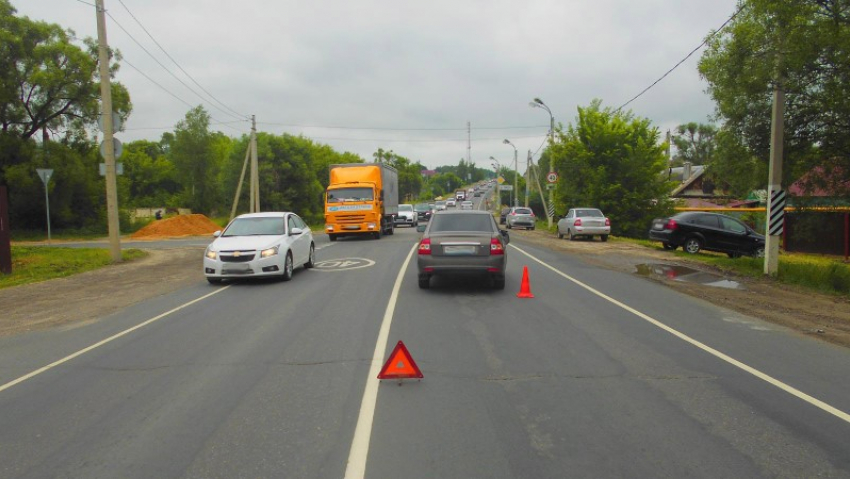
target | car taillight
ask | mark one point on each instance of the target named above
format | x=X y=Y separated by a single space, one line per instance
x=671 y=225
x=495 y=246
x=577 y=222
x=513 y=214
x=607 y=222
x=425 y=246
x=532 y=214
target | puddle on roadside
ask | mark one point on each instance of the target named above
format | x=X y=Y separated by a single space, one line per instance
x=685 y=274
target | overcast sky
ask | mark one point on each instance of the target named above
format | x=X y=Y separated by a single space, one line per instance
x=416 y=72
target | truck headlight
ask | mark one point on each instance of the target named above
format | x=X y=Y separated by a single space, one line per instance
x=269 y=252
x=371 y=226
x=211 y=254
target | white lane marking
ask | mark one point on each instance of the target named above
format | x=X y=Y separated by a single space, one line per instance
x=734 y=362
x=107 y=340
x=356 y=467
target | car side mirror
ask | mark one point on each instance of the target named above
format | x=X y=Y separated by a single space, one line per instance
x=505 y=235
x=421 y=228
x=295 y=231
x=217 y=234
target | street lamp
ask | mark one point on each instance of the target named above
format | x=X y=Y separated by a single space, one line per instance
x=516 y=171
x=498 y=167
x=538 y=103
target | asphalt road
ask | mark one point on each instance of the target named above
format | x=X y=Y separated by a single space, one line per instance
x=602 y=374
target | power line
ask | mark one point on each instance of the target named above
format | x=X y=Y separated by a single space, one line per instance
x=410 y=140
x=175 y=62
x=704 y=42
x=399 y=129
x=169 y=71
x=87 y=3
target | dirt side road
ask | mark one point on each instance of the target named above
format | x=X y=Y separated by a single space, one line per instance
x=74 y=301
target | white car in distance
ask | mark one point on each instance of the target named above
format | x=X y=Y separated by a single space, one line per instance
x=260 y=245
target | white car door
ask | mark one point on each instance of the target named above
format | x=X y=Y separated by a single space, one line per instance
x=300 y=242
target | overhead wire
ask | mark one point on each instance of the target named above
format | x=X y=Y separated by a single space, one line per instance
x=178 y=64
x=400 y=129
x=412 y=140
x=704 y=42
x=170 y=72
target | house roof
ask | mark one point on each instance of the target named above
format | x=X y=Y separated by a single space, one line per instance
x=815 y=179
x=678 y=173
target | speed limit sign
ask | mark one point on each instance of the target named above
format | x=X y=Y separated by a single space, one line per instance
x=552 y=177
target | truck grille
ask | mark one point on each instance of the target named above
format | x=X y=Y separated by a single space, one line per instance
x=351 y=218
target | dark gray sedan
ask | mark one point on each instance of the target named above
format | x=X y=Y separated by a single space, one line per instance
x=461 y=242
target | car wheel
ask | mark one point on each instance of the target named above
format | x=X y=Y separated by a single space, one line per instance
x=668 y=246
x=532 y=228
x=311 y=260
x=759 y=252
x=332 y=237
x=287 y=267
x=214 y=280
x=509 y=226
x=391 y=231
x=571 y=235
x=604 y=237
x=498 y=282
x=692 y=245
x=733 y=255
x=560 y=235
x=424 y=281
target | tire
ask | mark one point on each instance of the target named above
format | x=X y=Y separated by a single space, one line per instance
x=311 y=260
x=332 y=237
x=571 y=235
x=424 y=281
x=604 y=238
x=509 y=226
x=498 y=282
x=733 y=255
x=759 y=252
x=532 y=228
x=287 y=267
x=560 y=235
x=692 y=245
x=668 y=246
x=214 y=280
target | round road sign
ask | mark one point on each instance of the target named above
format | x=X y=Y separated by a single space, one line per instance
x=552 y=177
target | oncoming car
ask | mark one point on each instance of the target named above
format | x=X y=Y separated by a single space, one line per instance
x=462 y=242
x=260 y=245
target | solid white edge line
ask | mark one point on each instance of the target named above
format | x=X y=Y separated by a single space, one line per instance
x=734 y=362
x=357 y=455
x=107 y=340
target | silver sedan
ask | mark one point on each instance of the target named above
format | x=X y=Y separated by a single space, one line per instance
x=588 y=222
x=462 y=242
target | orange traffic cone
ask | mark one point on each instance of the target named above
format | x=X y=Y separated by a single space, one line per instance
x=525 y=287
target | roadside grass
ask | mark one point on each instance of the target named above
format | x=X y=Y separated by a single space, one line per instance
x=819 y=273
x=32 y=264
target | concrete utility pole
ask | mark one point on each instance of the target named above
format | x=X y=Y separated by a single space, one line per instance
x=469 y=142
x=527 y=176
x=255 y=169
x=516 y=172
x=775 y=195
x=108 y=130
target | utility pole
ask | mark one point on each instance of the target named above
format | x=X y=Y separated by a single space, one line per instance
x=469 y=143
x=550 y=210
x=527 y=176
x=108 y=130
x=255 y=169
x=775 y=195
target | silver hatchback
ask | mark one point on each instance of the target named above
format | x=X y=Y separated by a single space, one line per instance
x=462 y=242
x=519 y=217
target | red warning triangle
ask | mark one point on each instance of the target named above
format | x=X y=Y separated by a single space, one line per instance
x=400 y=365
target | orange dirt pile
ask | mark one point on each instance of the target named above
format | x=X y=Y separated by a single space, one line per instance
x=181 y=225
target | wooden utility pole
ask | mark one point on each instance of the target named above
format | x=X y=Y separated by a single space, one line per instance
x=108 y=130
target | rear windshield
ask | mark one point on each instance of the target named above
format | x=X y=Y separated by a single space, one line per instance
x=405 y=208
x=589 y=214
x=421 y=207
x=472 y=222
x=522 y=211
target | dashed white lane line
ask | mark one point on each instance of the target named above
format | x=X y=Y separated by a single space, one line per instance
x=107 y=340
x=356 y=467
x=734 y=362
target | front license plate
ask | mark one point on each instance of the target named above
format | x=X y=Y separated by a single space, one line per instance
x=458 y=250
x=236 y=269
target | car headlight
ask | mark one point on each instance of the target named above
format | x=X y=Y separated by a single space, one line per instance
x=269 y=252
x=211 y=254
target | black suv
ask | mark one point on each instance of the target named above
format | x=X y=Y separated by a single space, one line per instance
x=695 y=231
x=423 y=211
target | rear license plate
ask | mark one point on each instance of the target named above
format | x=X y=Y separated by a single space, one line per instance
x=458 y=250
x=658 y=225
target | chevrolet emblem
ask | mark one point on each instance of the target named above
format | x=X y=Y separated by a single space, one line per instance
x=236 y=254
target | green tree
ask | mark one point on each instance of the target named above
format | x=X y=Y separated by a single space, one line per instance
x=194 y=158
x=807 y=44
x=612 y=160
x=695 y=143
x=46 y=81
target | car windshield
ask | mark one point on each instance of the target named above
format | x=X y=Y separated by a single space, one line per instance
x=461 y=222
x=254 y=227
x=405 y=207
x=589 y=213
x=350 y=194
